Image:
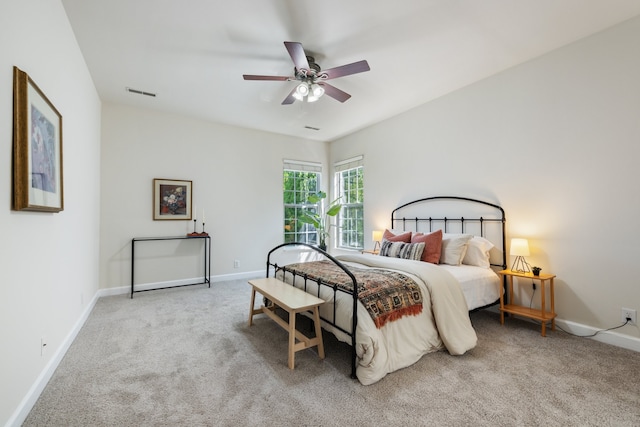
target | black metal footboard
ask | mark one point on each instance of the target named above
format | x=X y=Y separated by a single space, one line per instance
x=273 y=267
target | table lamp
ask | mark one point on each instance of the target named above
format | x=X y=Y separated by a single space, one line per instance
x=520 y=249
x=376 y=236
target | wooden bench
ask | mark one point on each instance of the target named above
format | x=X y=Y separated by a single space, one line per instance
x=293 y=301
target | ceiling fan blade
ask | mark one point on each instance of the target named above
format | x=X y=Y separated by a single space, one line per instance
x=254 y=77
x=346 y=70
x=290 y=99
x=299 y=58
x=334 y=92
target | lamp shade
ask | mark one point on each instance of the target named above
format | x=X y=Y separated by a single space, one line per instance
x=376 y=236
x=519 y=247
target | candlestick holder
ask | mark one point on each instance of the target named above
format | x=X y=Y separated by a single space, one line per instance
x=195 y=233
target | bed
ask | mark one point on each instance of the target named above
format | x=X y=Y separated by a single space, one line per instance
x=405 y=307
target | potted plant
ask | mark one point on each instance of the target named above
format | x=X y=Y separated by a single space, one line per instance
x=320 y=218
x=536 y=270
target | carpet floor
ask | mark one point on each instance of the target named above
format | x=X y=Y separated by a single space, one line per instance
x=186 y=357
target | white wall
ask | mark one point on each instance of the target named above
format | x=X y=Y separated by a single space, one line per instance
x=554 y=141
x=49 y=261
x=237 y=179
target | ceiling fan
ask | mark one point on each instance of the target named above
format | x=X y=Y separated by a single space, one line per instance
x=312 y=79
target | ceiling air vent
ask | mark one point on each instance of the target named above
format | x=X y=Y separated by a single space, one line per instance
x=311 y=127
x=139 y=92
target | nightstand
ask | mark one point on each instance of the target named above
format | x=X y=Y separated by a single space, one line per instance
x=538 y=314
x=372 y=252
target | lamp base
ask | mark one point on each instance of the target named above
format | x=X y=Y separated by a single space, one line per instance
x=520 y=265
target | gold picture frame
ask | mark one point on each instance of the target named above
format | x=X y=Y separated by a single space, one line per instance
x=37 y=148
x=172 y=199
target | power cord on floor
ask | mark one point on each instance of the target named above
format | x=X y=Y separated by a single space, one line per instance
x=596 y=332
x=533 y=285
x=591 y=335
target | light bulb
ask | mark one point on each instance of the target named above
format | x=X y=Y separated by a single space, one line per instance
x=317 y=90
x=302 y=89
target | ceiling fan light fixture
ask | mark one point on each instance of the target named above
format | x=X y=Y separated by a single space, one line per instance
x=317 y=90
x=306 y=71
x=302 y=89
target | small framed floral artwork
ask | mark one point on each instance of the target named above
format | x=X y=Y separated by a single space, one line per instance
x=172 y=199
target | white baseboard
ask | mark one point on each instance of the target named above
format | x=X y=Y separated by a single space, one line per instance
x=25 y=406
x=182 y=282
x=240 y=276
x=609 y=337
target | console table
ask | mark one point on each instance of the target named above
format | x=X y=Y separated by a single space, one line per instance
x=206 y=240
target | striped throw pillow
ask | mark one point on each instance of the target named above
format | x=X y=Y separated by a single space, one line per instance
x=402 y=250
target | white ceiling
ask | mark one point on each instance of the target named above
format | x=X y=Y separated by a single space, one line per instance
x=193 y=53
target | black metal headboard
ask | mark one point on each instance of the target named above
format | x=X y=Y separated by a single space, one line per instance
x=453 y=214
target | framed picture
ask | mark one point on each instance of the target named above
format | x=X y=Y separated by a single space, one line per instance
x=37 y=148
x=171 y=199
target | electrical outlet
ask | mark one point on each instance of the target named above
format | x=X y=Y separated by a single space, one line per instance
x=43 y=346
x=236 y=263
x=628 y=313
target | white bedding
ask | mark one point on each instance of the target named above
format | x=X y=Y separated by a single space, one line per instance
x=443 y=323
x=480 y=286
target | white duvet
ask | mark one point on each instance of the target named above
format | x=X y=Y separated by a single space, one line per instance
x=443 y=323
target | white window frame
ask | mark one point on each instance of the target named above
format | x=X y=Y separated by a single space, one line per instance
x=350 y=232
x=293 y=229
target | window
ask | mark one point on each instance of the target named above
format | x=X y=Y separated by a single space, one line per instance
x=350 y=187
x=299 y=180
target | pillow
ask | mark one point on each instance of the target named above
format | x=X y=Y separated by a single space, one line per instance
x=454 y=248
x=402 y=250
x=478 y=252
x=432 y=245
x=397 y=237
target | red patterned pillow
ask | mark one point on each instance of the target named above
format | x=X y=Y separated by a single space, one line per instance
x=404 y=237
x=432 y=245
